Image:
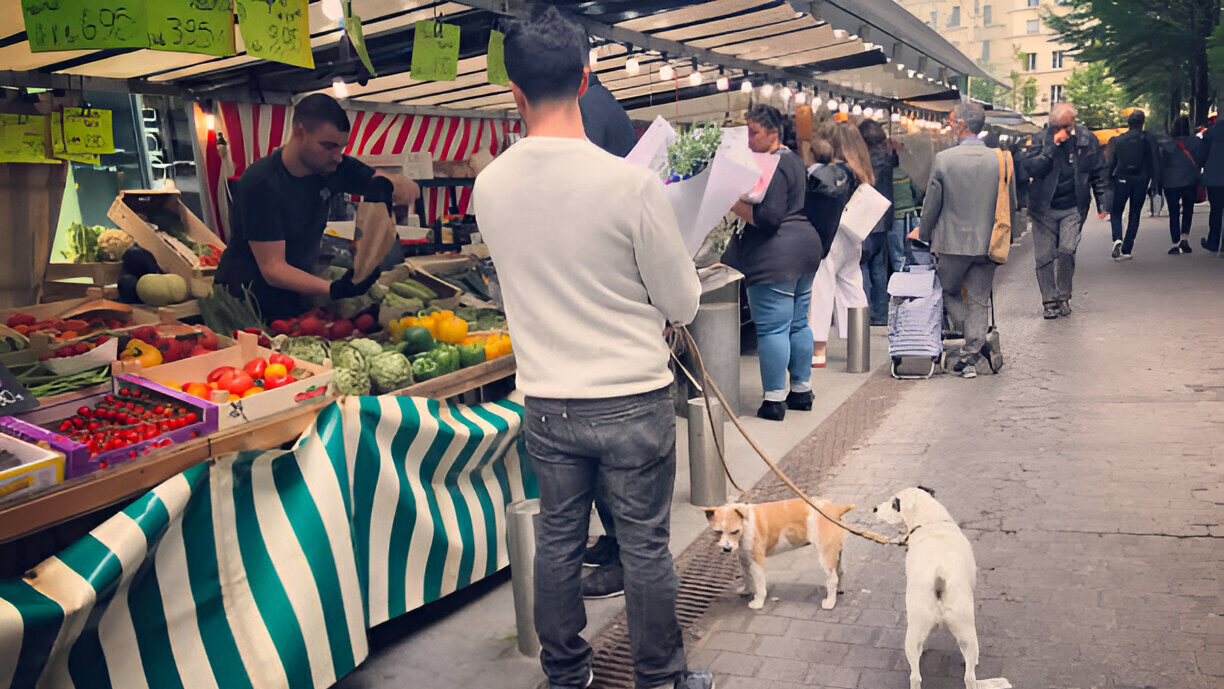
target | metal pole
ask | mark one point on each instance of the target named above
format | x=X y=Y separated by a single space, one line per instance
x=716 y=329
x=520 y=541
x=858 y=344
x=707 y=479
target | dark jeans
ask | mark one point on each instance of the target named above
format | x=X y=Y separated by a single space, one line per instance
x=976 y=275
x=875 y=274
x=1215 y=195
x=1133 y=190
x=622 y=449
x=1181 y=211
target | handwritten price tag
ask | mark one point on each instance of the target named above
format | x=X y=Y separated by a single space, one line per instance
x=14 y=398
x=192 y=26
x=57 y=144
x=277 y=30
x=435 y=51
x=23 y=139
x=496 y=59
x=88 y=130
x=85 y=24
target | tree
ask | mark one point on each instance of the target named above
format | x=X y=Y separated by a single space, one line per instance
x=1097 y=99
x=986 y=90
x=1153 y=48
x=1023 y=90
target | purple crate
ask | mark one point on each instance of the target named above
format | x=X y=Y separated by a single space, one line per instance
x=77 y=460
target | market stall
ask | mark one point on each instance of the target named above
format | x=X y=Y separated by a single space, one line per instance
x=286 y=483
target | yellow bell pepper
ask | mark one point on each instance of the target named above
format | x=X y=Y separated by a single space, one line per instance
x=143 y=352
x=451 y=330
x=430 y=323
x=497 y=345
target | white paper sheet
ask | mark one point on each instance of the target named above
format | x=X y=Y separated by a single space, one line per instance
x=864 y=209
x=916 y=283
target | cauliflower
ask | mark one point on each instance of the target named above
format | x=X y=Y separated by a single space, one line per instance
x=350 y=357
x=390 y=371
x=368 y=348
x=114 y=242
x=350 y=382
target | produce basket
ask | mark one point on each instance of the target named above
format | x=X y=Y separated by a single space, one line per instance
x=36 y=467
x=172 y=255
x=42 y=341
x=448 y=295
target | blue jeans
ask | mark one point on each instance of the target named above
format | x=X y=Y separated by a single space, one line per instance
x=875 y=275
x=784 y=338
x=896 y=240
x=621 y=451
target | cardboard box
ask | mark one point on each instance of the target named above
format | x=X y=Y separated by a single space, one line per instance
x=448 y=295
x=267 y=403
x=171 y=256
x=34 y=426
x=39 y=467
x=413 y=165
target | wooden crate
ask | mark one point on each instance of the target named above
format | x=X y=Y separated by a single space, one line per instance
x=98 y=273
x=169 y=257
x=41 y=343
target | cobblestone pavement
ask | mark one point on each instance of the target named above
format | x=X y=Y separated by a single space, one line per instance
x=1088 y=477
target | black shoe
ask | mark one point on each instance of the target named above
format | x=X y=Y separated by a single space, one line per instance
x=1064 y=308
x=1203 y=243
x=773 y=411
x=694 y=679
x=1117 y=249
x=1185 y=246
x=800 y=401
x=1176 y=250
x=1049 y=310
x=605 y=582
x=877 y=323
x=604 y=552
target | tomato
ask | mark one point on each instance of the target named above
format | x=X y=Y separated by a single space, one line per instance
x=235 y=381
x=199 y=390
x=274 y=382
x=190 y=418
x=255 y=367
x=286 y=361
x=276 y=371
x=218 y=372
x=255 y=390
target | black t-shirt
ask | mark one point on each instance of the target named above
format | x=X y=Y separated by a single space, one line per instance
x=271 y=205
x=605 y=121
x=1064 y=188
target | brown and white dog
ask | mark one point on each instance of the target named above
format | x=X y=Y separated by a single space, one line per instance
x=758 y=531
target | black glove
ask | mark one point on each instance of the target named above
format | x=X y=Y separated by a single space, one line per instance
x=344 y=287
x=381 y=190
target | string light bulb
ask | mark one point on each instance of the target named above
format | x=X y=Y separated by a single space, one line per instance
x=787 y=93
x=868 y=111
x=210 y=123
x=723 y=83
x=633 y=67
x=695 y=79
x=339 y=88
x=667 y=72
x=801 y=97
x=746 y=87
x=856 y=110
x=895 y=117
x=817 y=101
x=767 y=90
x=833 y=106
x=843 y=108
x=332 y=9
x=593 y=57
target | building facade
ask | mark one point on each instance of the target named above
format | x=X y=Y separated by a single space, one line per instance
x=1005 y=36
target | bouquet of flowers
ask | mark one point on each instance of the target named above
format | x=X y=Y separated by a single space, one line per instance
x=692 y=151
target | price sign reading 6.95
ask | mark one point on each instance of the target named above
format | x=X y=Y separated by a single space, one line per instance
x=192 y=26
x=84 y=24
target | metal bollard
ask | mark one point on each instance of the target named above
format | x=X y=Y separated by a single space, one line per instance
x=858 y=342
x=716 y=329
x=707 y=479
x=520 y=542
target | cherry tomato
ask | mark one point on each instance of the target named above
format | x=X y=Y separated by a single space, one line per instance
x=190 y=418
x=275 y=370
x=283 y=360
x=236 y=382
x=218 y=372
x=274 y=382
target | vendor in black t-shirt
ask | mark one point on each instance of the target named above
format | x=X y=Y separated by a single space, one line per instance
x=280 y=211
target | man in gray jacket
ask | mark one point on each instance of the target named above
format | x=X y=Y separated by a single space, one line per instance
x=957 y=217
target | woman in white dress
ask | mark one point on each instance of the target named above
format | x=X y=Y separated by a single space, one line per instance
x=839 y=281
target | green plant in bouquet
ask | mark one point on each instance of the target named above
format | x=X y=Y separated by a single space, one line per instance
x=717 y=240
x=693 y=150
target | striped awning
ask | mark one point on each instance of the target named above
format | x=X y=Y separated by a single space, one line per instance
x=857 y=53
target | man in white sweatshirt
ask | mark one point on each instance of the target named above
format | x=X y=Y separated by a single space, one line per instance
x=592 y=268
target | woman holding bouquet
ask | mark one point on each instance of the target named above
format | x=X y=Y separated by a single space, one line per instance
x=778 y=253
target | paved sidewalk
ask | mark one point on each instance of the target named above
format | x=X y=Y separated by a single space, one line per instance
x=1089 y=477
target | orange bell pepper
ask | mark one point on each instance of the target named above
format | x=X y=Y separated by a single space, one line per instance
x=451 y=330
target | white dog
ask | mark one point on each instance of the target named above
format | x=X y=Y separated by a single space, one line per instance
x=939 y=577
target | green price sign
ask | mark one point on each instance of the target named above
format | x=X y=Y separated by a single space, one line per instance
x=435 y=51
x=23 y=139
x=192 y=26
x=352 y=27
x=277 y=30
x=88 y=130
x=85 y=24
x=496 y=59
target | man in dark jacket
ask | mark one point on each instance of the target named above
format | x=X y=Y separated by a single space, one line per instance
x=1068 y=168
x=1133 y=169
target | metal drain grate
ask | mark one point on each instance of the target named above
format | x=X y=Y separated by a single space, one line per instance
x=706 y=574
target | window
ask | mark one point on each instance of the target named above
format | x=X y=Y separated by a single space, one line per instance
x=1030 y=62
x=987 y=18
x=954 y=20
x=1032 y=26
x=985 y=51
x=1033 y=3
x=1056 y=60
x=934 y=19
x=1056 y=94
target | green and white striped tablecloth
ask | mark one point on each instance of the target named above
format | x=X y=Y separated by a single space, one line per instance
x=265 y=569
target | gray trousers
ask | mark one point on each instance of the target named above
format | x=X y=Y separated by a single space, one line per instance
x=623 y=450
x=1056 y=236
x=976 y=275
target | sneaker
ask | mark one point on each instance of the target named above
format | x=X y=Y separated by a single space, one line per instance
x=773 y=411
x=800 y=401
x=1064 y=308
x=1126 y=257
x=589 y=681
x=605 y=582
x=1117 y=249
x=1185 y=246
x=604 y=552
x=1049 y=310
x=694 y=679
x=1176 y=250
x=969 y=371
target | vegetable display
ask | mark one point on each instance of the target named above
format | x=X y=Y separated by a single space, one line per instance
x=390 y=371
x=162 y=290
x=224 y=313
x=83 y=244
x=256 y=376
x=59 y=329
x=320 y=322
x=151 y=348
x=126 y=418
x=42 y=383
x=114 y=243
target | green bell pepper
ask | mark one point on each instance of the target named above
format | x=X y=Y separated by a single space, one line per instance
x=446 y=356
x=470 y=355
x=425 y=368
x=416 y=339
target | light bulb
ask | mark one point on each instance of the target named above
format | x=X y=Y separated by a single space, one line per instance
x=746 y=87
x=666 y=73
x=856 y=110
x=868 y=111
x=817 y=101
x=695 y=79
x=723 y=83
x=339 y=88
x=787 y=93
x=332 y=9
x=895 y=117
x=843 y=108
x=210 y=123
x=878 y=116
x=593 y=57
x=801 y=97
x=767 y=90
x=832 y=104
x=633 y=67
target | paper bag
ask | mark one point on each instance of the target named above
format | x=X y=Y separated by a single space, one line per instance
x=375 y=234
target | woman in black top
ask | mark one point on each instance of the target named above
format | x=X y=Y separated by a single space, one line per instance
x=1181 y=160
x=874 y=261
x=778 y=252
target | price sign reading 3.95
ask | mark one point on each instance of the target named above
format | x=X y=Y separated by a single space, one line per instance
x=192 y=26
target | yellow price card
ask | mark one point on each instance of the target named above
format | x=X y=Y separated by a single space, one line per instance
x=277 y=30
x=496 y=59
x=85 y=24
x=23 y=139
x=57 y=144
x=435 y=51
x=192 y=26
x=88 y=130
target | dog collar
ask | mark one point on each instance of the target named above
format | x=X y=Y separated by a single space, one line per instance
x=911 y=531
